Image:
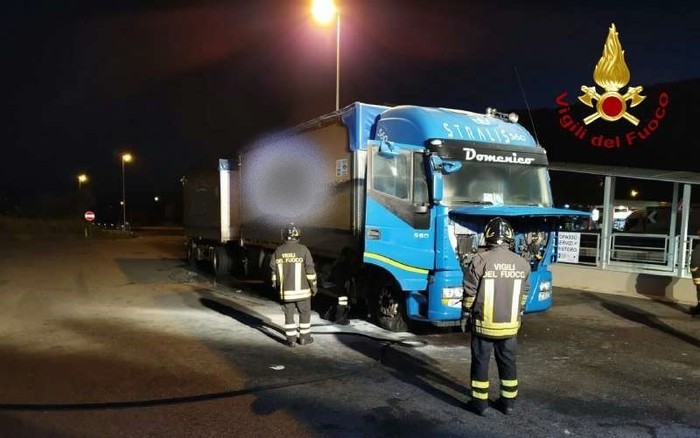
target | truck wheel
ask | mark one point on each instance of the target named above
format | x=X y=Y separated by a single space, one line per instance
x=191 y=254
x=389 y=306
x=239 y=265
x=254 y=262
x=221 y=262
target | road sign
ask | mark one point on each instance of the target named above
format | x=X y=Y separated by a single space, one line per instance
x=652 y=217
x=89 y=216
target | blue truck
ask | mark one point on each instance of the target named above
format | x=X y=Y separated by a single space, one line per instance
x=405 y=191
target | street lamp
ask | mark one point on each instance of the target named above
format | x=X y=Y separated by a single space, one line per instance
x=126 y=158
x=81 y=179
x=323 y=12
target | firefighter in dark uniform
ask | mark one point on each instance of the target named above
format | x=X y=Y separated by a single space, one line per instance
x=496 y=285
x=293 y=274
x=695 y=273
x=343 y=274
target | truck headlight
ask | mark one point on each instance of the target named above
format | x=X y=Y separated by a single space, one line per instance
x=452 y=292
x=545 y=286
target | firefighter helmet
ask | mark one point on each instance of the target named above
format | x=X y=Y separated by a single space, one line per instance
x=498 y=231
x=291 y=232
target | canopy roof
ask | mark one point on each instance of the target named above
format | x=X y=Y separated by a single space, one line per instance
x=675 y=176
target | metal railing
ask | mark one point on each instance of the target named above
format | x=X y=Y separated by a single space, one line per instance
x=640 y=248
x=689 y=245
x=654 y=252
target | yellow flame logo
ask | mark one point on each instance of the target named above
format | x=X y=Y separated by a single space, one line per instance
x=611 y=74
x=508 y=233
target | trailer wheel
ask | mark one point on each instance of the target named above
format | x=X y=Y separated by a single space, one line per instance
x=191 y=254
x=389 y=308
x=221 y=262
x=239 y=264
x=254 y=262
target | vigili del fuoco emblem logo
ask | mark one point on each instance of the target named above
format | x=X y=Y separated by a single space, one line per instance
x=611 y=73
x=613 y=102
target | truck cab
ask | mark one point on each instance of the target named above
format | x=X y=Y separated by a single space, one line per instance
x=435 y=178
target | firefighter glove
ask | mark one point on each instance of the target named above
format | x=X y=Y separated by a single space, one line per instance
x=465 y=322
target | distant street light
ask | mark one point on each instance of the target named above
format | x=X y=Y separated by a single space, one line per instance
x=323 y=12
x=634 y=193
x=126 y=158
x=82 y=178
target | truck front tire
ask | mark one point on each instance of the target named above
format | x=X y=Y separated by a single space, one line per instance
x=389 y=308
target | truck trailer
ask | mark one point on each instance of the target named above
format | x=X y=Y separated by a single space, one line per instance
x=401 y=194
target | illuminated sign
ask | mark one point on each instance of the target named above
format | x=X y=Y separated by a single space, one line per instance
x=612 y=104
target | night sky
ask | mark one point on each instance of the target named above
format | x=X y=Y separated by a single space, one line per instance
x=181 y=83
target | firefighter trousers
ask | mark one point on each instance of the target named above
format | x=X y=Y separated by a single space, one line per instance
x=505 y=352
x=291 y=328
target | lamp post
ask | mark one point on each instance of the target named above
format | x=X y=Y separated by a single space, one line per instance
x=126 y=158
x=81 y=179
x=324 y=11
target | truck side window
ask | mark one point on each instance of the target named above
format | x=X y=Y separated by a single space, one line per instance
x=391 y=174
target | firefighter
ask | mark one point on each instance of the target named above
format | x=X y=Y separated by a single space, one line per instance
x=343 y=273
x=695 y=273
x=496 y=285
x=293 y=274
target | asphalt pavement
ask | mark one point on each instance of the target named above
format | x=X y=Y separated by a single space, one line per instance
x=120 y=338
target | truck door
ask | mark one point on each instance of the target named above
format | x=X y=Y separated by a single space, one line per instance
x=398 y=232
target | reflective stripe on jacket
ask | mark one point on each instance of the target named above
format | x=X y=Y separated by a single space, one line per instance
x=293 y=271
x=496 y=285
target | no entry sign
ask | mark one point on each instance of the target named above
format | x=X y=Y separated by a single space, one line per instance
x=89 y=216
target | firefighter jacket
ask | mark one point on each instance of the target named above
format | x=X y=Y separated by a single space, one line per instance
x=695 y=265
x=496 y=285
x=293 y=272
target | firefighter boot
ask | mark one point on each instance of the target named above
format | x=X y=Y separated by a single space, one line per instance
x=306 y=340
x=291 y=342
x=479 y=407
x=507 y=405
x=341 y=315
x=695 y=311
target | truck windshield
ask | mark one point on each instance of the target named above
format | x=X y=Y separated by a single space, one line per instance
x=497 y=184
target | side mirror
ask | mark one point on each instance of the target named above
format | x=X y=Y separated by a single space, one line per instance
x=449 y=166
x=436 y=166
x=388 y=150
